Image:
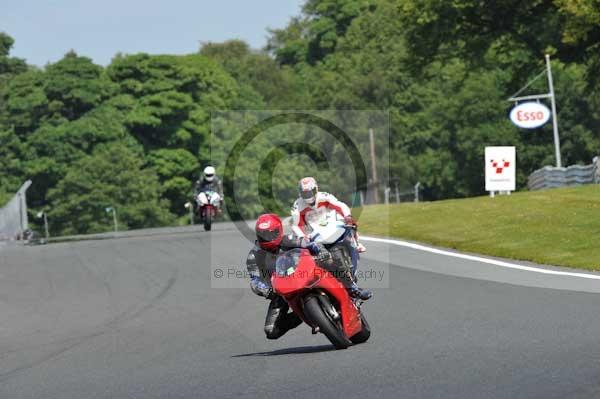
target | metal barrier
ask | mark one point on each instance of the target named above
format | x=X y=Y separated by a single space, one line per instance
x=552 y=177
x=402 y=196
x=13 y=216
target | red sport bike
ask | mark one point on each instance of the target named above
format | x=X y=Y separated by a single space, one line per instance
x=208 y=207
x=319 y=299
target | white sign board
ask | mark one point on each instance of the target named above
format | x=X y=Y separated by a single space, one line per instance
x=500 y=168
x=530 y=115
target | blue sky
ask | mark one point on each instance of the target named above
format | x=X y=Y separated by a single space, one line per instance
x=44 y=30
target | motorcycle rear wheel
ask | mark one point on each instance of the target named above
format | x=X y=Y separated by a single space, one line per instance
x=314 y=311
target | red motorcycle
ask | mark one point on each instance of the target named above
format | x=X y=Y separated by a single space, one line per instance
x=208 y=207
x=319 y=299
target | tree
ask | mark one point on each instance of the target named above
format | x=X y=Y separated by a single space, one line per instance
x=57 y=148
x=23 y=102
x=112 y=176
x=12 y=153
x=173 y=97
x=277 y=85
x=9 y=65
x=314 y=35
x=75 y=85
x=289 y=45
x=176 y=169
x=582 y=31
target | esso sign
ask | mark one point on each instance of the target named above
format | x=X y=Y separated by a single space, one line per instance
x=530 y=115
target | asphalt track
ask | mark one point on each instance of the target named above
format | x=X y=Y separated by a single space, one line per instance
x=136 y=317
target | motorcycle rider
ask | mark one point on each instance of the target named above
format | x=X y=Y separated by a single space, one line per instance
x=313 y=205
x=261 y=264
x=208 y=182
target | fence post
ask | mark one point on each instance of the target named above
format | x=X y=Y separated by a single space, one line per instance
x=417 y=191
x=46 y=230
x=114 y=214
x=115 y=220
x=21 y=221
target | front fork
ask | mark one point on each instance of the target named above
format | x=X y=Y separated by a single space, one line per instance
x=328 y=307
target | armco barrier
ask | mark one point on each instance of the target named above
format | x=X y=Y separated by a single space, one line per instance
x=552 y=177
x=13 y=215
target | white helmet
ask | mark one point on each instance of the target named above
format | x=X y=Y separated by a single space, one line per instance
x=308 y=190
x=209 y=173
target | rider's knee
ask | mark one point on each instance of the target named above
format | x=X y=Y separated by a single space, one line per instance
x=272 y=332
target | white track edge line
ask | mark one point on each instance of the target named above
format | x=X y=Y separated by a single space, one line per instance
x=477 y=258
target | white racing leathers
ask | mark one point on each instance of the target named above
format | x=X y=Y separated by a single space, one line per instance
x=304 y=214
x=306 y=218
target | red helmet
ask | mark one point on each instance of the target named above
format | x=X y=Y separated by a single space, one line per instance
x=269 y=231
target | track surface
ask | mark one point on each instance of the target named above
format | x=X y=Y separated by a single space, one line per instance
x=136 y=317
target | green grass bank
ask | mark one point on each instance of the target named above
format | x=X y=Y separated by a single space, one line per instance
x=556 y=227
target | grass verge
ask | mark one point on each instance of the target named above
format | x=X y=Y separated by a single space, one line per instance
x=556 y=227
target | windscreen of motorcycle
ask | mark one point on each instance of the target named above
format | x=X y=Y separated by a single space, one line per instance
x=328 y=234
x=287 y=262
x=325 y=226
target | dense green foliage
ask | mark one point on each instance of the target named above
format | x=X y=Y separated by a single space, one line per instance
x=443 y=70
x=133 y=135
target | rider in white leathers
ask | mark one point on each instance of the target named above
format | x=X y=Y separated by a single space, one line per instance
x=209 y=182
x=313 y=206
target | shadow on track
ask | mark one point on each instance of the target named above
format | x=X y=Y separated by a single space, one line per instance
x=291 y=351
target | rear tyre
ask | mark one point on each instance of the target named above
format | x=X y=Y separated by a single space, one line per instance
x=207 y=220
x=316 y=314
x=364 y=334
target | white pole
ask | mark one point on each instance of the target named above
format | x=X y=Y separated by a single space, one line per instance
x=115 y=219
x=46 y=226
x=373 y=166
x=554 y=115
x=417 y=191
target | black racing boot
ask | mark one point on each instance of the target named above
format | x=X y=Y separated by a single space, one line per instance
x=344 y=275
x=357 y=292
x=353 y=289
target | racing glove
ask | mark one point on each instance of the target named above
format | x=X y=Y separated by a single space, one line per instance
x=314 y=248
x=349 y=221
x=260 y=288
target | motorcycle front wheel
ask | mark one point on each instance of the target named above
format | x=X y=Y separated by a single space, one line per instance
x=364 y=334
x=316 y=314
x=207 y=220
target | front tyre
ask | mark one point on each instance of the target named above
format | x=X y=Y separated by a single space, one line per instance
x=364 y=334
x=315 y=313
x=207 y=219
